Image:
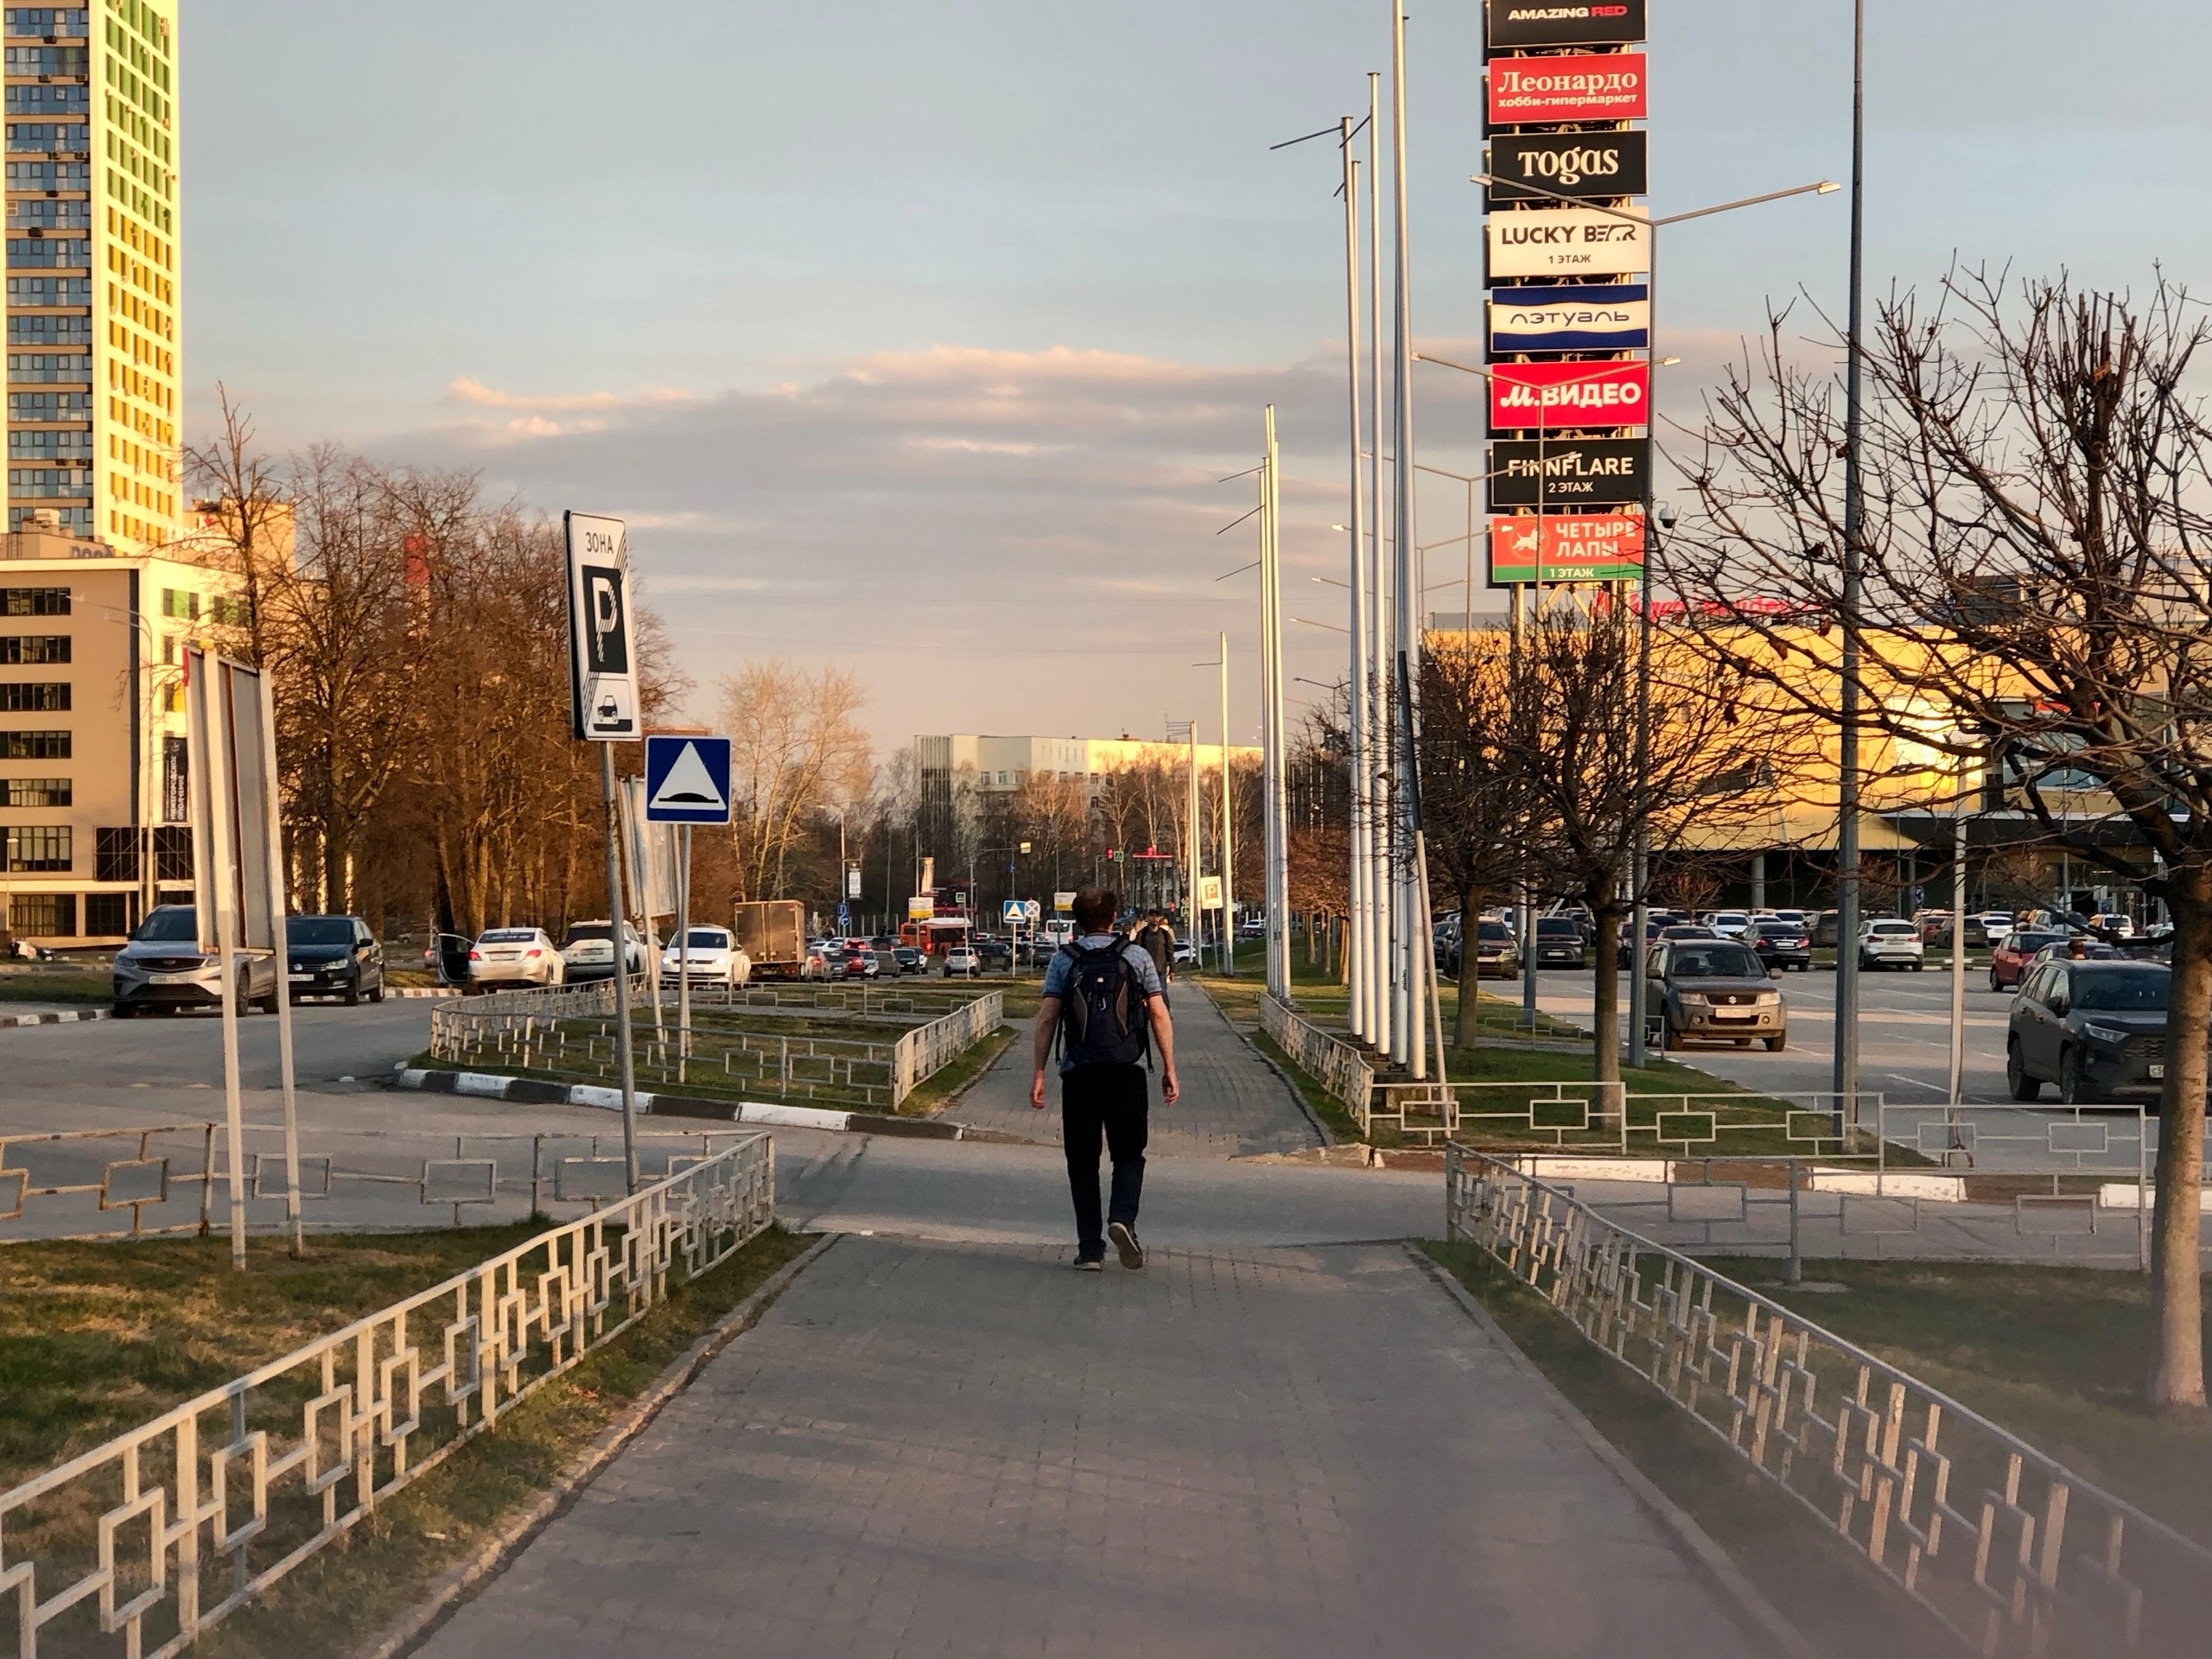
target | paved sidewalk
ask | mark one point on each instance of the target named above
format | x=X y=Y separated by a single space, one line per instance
x=968 y=1451
x=1232 y=1105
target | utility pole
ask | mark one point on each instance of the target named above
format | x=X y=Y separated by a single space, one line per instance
x=1358 y=966
x=1228 y=831
x=1845 y=1079
x=1406 y=1047
x=1276 y=846
x=1370 y=830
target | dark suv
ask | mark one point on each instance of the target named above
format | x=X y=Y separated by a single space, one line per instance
x=1713 y=991
x=333 y=955
x=1560 y=943
x=2096 y=1029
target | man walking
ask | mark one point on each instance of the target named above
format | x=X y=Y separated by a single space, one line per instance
x=1156 y=940
x=1104 y=1001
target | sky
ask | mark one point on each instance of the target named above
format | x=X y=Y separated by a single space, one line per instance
x=916 y=338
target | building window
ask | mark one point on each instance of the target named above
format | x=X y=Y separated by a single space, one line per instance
x=67 y=252
x=42 y=138
x=49 y=405
x=180 y=603
x=49 y=327
x=39 y=368
x=38 y=22
x=38 y=847
x=177 y=806
x=19 y=648
x=40 y=696
x=65 y=520
x=115 y=854
x=42 y=915
x=173 y=854
x=34 y=745
x=39 y=443
x=34 y=601
x=38 y=791
x=107 y=915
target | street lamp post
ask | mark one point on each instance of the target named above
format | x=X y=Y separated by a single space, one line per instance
x=1639 y=915
x=1846 y=1074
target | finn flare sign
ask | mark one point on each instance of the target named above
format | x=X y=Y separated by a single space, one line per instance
x=602 y=661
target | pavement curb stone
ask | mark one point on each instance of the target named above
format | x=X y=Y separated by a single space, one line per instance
x=1760 y=1617
x=489 y=1559
x=537 y=1091
x=57 y=1019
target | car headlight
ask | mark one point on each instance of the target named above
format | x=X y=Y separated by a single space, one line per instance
x=1694 y=1000
x=2113 y=1034
x=1770 y=1000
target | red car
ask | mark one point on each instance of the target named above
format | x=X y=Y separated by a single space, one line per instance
x=2009 y=965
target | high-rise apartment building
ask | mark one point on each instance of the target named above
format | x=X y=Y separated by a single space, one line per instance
x=93 y=387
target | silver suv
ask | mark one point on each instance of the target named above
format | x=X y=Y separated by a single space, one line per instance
x=163 y=968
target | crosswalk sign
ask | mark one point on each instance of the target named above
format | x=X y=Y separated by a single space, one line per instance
x=687 y=780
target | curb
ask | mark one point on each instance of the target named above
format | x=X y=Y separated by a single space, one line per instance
x=1761 y=1617
x=69 y=1019
x=447 y=1593
x=493 y=1086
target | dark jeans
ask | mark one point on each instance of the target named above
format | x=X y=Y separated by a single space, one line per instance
x=1113 y=1099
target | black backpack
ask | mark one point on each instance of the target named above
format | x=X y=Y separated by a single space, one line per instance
x=1103 y=1019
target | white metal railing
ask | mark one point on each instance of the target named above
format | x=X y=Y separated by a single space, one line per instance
x=1339 y=1067
x=2015 y=1554
x=927 y=1049
x=138 y=1546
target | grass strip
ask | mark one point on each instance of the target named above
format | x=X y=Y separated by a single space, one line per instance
x=1835 y=1602
x=62 y=986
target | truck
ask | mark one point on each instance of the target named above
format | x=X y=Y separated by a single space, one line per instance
x=772 y=931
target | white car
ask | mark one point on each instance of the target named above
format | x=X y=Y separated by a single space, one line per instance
x=1794 y=918
x=1730 y=923
x=1184 y=955
x=588 y=950
x=515 y=955
x=1996 y=925
x=716 y=958
x=1890 y=943
x=961 y=959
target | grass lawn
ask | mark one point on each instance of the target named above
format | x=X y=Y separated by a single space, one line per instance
x=95 y=1337
x=52 y=984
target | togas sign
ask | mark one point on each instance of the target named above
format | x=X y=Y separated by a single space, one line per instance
x=1567 y=472
x=1568 y=394
x=1565 y=242
x=1605 y=23
x=1588 y=166
x=1593 y=86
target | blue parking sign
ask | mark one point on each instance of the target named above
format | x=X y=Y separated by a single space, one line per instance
x=687 y=780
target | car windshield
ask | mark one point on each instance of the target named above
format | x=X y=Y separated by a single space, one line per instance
x=1897 y=928
x=1557 y=927
x=581 y=931
x=1779 y=930
x=170 y=925
x=1493 y=931
x=1717 y=961
x=1733 y=918
x=709 y=938
x=509 y=935
x=319 y=929
x=2133 y=990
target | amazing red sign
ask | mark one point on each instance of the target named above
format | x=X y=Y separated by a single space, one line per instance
x=1524 y=396
x=1598 y=86
x=1565 y=547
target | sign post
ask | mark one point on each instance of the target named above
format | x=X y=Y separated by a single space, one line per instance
x=687 y=782
x=603 y=709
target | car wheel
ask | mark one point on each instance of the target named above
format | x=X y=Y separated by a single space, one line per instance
x=123 y=1011
x=1918 y=966
x=1994 y=984
x=2075 y=1086
x=376 y=996
x=2017 y=1080
x=353 y=994
x=1775 y=1045
x=1670 y=1038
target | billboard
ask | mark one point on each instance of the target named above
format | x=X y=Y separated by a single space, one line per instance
x=1603 y=23
x=1567 y=472
x=1565 y=547
x=1565 y=242
x=1590 y=87
x=1588 y=166
x=1525 y=395
x=1583 y=317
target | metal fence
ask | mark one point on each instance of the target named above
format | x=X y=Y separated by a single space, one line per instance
x=2009 y=1549
x=553 y=1037
x=1339 y=1068
x=138 y=1547
x=130 y=1181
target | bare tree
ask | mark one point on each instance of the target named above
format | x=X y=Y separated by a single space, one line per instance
x=2037 y=555
x=798 y=750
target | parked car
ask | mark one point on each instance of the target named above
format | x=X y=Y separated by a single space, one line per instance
x=1794 y=918
x=707 y=955
x=995 y=952
x=860 y=962
x=333 y=956
x=1687 y=931
x=2096 y=1029
x=2090 y=951
x=962 y=960
x=1654 y=924
x=1824 y=928
x=1184 y=954
x=515 y=955
x=1994 y=926
x=161 y=967
x=910 y=959
x=1560 y=943
x=821 y=963
x=588 y=950
x=1713 y=991
x=2113 y=925
x=2014 y=955
x=1730 y=923
x=1890 y=942
x=1498 y=953
x=1782 y=944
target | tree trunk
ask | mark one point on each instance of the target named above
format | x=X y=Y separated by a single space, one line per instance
x=2177 y=1379
x=1464 y=1033
x=1605 y=1040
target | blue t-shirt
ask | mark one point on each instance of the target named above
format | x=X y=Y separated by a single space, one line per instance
x=1063 y=965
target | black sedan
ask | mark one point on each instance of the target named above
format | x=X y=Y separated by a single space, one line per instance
x=2096 y=1029
x=1782 y=944
x=333 y=955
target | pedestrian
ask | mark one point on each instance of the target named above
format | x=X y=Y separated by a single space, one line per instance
x=2077 y=948
x=1156 y=940
x=1104 y=1003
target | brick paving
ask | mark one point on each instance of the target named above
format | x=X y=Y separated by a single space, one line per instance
x=964 y=1450
x=1232 y=1105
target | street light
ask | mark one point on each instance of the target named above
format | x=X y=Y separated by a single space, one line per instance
x=1640 y=913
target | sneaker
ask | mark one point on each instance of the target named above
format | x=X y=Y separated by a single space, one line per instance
x=1091 y=1264
x=1125 y=1240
